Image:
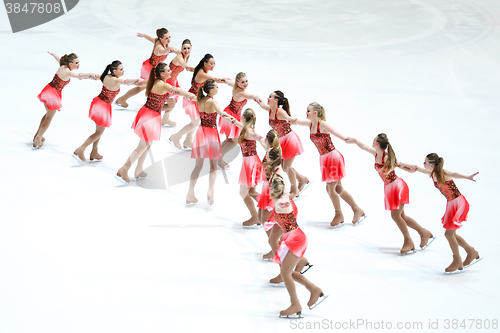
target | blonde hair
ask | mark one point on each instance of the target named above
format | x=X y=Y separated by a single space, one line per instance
x=250 y=119
x=319 y=109
x=239 y=76
x=273 y=139
x=277 y=188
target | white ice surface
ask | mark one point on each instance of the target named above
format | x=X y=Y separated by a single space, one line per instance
x=79 y=252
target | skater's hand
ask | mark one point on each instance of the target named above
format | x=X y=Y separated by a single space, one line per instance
x=471 y=177
x=191 y=96
x=258 y=99
x=140 y=35
x=96 y=76
x=350 y=140
x=292 y=121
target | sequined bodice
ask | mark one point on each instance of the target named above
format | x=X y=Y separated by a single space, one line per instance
x=57 y=83
x=448 y=189
x=175 y=70
x=194 y=88
x=208 y=119
x=236 y=107
x=267 y=171
x=386 y=177
x=322 y=141
x=154 y=60
x=248 y=147
x=286 y=221
x=280 y=126
x=155 y=102
x=107 y=95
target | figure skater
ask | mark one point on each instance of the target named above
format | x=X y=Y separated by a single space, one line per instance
x=100 y=108
x=279 y=113
x=291 y=248
x=238 y=101
x=159 y=54
x=147 y=123
x=177 y=65
x=331 y=162
x=251 y=168
x=206 y=142
x=396 y=191
x=51 y=94
x=200 y=76
x=456 y=212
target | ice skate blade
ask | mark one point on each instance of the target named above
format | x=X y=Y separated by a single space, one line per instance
x=360 y=220
x=119 y=105
x=277 y=285
x=319 y=301
x=189 y=204
x=121 y=180
x=75 y=156
x=253 y=226
x=266 y=259
x=168 y=126
x=429 y=242
x=475 y=261
x=341 y=224
x=409 y=252
x=306 y=186
x=187 y=148
x=172 y=144
x=35 y=147
x=292 y=316
x=95 y=160
x=306 y=268
x=457 y=271
x=139 y=178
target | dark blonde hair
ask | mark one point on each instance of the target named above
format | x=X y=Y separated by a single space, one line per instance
x=250 y=120
x=239 y=76
x=319 y=109
x=155 y=75
x=273 y=139
x=438 y=167
x=159 y=34
x=383 y=141
x=67 y=59
x=277 y=188
x=206 y=87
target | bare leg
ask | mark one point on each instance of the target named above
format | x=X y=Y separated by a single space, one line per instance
x=457 y=261
x=168 y=108
x=425 y=234
x=122 y=101
x=227 y=145
x=188 y=130
x=190 y=198
x=358 y=212
x=334 y=197
x=244 y=193
x=408 y=242
x=123 y=171
x=44 y=125
x=93 y=139
x=287 y=167
x=211 y=181
x=287 y=267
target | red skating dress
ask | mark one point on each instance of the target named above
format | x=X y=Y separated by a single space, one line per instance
x=173 y=78
x=395 y=189
x=147 y=123
x=206 y=143
x=331 y=160
x=264 y=201
x=191 y=107
x=251 y=168
x=289 y=140
x=148 y=65
x=457 y=206
x=100 y=108
x=51 y=94
x=234 y=109
x=293 y=240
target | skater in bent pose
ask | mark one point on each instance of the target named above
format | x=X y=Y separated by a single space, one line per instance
x=51 y=94
x=291 y=248
x=331 y=162
x=396 y=191
x=100 y=108
x=456 y=212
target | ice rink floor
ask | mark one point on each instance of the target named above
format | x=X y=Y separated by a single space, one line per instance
x=81 y=253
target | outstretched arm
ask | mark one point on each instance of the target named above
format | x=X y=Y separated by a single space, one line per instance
x=406 y=167
x=180 y=91
x=151 y=39
x=222 y=113
x=295 y=121
x=262 y=104
x=205 y=77
x=58 y=58
x=334 y=131
x=361 y=145
x=82 y=76
x=128 y=82
x=460 y=176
